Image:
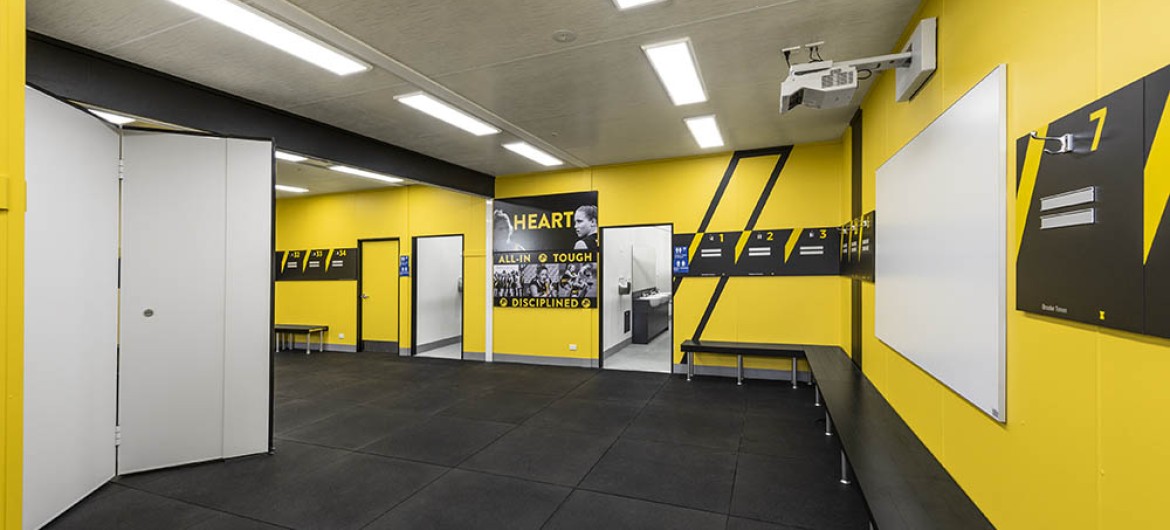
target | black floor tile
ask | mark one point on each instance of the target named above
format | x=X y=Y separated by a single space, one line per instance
x=506 y=407
x=354 y=427
x=620 y=386
x=123 y=508
x=226 y=521
x=298 y=412
x=348 y=494
x=799 y=439
x=604 y=418
x=681 y=475
x=586 y=510
x=717 y=429
x=423 y=399
x=543 y=455
x=707 y=393
x=797 y=493
x=464 y=499
x=440 y=440
x=739 y=523
x=240 y=481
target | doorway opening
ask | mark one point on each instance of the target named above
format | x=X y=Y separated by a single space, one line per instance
x=378 y=295
x=636 y=305
x=437 y=297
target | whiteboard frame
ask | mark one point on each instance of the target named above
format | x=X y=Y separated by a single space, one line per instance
x=917 y=350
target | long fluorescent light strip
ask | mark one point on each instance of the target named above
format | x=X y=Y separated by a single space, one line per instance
x=115 y=119
x=365 y=174
x=290 y=189
x=675 y=64
x=444 y=112
x=628 y=4
x=536 y=155
x=290 y=157
x=254 y=24
x=706 y=131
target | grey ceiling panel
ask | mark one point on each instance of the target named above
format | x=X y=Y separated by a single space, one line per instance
x=104 y=24
x=595 y=98
x=319 y=180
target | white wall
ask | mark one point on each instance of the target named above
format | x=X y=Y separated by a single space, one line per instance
x=618 y=258
x=438 y=267
x=71 y=296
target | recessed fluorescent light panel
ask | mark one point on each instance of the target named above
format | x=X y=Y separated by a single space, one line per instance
x=115 y=119
x=536 y=155
x=627 y=4
x=705 y=131
x=674 y=62
x=261 y=27
x=290 y=157
x=444 y=112
x=365 y=174
x=290 y=189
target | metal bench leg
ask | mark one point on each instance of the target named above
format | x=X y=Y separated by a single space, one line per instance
x=794 y=372
x=739 y=373
x=844 y=469
x=816 y=396
x=828 y=424
x=308 y=343
x=690 y=365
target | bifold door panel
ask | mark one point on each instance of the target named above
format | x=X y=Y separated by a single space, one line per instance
x=70 y=307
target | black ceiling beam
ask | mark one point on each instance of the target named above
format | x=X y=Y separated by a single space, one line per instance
x=84 y=75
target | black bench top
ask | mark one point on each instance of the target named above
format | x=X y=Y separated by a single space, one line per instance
x=743 y=348
x=299 y=328
x=904 y=485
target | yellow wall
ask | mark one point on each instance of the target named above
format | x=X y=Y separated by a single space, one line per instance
x=339 y=220
x=11 y=256
x=1086 y=444
x=777 y=309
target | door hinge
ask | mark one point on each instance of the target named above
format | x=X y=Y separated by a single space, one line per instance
x=117 y=435
x=121 y=170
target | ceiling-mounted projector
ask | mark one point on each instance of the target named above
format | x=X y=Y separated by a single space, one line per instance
x=822 y=84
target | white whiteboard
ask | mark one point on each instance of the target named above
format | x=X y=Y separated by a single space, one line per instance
x=941 y=263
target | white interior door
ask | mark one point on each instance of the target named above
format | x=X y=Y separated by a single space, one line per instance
x=171 y=380
x=70 y=308
x=439 y=297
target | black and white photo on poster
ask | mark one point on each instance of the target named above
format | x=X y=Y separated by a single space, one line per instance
x=566 y=221
x=546 y=251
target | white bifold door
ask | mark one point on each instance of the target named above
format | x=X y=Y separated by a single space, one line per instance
x=195 y=306
x=173 y=366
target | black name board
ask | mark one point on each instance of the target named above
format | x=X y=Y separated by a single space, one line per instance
x=858 y=243
x=768 y=252
x=319 y=264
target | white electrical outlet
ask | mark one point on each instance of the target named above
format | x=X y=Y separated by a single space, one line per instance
x=572 y=347
x=341 y=335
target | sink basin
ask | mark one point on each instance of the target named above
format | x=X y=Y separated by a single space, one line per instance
x=656 y=299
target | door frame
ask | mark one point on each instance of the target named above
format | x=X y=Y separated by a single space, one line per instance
x=414 y=291
x=601 y=292
x=358 y=295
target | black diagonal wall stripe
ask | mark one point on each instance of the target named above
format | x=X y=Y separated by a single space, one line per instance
x=710 y=308
x=784 y=151
x=767 y=191
x=765 y=194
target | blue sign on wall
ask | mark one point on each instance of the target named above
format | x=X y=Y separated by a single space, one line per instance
x=404 y=265
x=681 y=260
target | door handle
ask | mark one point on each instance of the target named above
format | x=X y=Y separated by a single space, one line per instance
x=364 y=296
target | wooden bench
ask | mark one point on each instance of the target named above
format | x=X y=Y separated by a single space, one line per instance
x=904 y=485
x=292 y=330
x=741 y=349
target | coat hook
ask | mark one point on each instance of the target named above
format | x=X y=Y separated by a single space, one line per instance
x=1066 y=142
